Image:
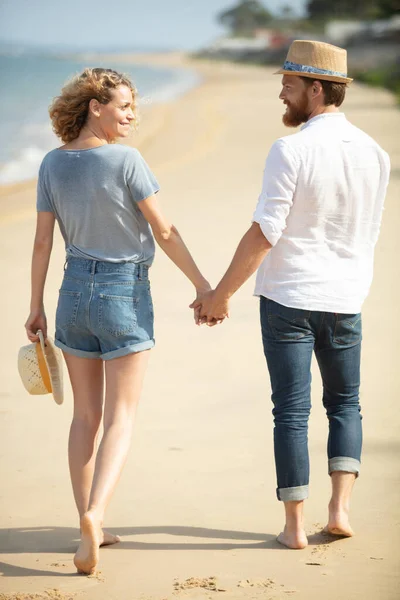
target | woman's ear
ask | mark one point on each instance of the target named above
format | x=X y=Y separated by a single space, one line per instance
x=94 y=107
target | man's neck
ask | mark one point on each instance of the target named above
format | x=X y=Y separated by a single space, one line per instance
x=321 y=110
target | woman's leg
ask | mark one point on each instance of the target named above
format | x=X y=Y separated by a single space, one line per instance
x=87 y=381
x=124 y=379
x=86 y=377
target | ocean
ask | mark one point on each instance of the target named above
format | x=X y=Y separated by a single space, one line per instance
x=29 y=84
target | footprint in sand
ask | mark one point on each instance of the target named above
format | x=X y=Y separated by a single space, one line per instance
x=207 y=583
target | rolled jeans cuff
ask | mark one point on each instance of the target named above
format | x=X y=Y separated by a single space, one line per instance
x=292 y=494
x=344 y=463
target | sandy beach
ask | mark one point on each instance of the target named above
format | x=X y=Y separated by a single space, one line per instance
x=196 y=506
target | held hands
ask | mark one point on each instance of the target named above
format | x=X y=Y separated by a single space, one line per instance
x=210 y=308
x=36 y=320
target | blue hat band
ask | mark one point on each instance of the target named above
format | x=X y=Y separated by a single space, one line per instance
x=291 y=66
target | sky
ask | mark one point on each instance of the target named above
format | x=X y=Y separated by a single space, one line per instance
x=96 y=24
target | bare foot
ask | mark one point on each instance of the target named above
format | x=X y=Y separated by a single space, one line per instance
x=339 y=505
x=87 y=555
x=295 y=540
x=338 y=525
x=107 y=538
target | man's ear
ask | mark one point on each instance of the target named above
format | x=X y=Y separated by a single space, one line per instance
x=317 y=89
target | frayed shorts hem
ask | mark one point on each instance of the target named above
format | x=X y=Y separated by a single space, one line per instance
x=292 y=494
x=132 y=349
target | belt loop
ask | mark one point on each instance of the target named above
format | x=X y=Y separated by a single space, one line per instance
x=66 y=264
x=140 y=272
x=93 y=269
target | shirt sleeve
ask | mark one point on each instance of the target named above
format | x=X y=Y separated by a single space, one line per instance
x=139 y=178
x=385 y=176
x=276 y=198
x=43 y=199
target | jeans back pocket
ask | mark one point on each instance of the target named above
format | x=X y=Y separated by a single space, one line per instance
x=117 y=314
x=348 y=329
x=288 y=324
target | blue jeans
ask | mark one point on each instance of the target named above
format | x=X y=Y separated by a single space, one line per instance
x=290 y=336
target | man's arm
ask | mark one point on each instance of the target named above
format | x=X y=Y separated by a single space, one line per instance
x=250 y=253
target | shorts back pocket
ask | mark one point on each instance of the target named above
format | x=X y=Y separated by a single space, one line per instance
x=117 y=314
x=67 y=308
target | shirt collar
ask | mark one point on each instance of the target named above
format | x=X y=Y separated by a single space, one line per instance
x=324 y=116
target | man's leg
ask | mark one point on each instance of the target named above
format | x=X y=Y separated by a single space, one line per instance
x=340 y=369
x=288 y=345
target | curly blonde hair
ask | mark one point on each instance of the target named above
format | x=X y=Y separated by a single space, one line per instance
x=69 y=111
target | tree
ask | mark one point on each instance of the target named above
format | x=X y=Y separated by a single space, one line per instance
x=360 y=9
x=287 y=12
x=389 y=8
x=245 y=17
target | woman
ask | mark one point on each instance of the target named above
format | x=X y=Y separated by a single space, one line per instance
x=103 y=196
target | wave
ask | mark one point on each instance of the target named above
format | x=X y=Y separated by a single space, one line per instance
x=185 y=81
x=34 y=140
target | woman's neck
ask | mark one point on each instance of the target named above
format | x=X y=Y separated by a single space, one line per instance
x=87 y=138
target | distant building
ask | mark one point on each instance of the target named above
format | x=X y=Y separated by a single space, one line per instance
x=237 y=44
x=338 y=32
x=263 y=34
x=341 y=32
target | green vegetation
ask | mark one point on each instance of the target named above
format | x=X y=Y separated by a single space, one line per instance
x=357 y=9
x=248 y=15
x=245 y=17
x=388 y=78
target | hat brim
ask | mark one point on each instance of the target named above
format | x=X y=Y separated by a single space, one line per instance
x=53 y=360
x=317 y=76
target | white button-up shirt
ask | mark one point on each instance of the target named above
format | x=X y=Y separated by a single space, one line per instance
x=320 y=208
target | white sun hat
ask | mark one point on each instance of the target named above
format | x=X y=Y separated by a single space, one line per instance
x=40 y=368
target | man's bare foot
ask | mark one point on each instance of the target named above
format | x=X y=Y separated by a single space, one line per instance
x=87 y=555
x=339 y=505
x=107 y=538
x=338 y=525
x=295 y=540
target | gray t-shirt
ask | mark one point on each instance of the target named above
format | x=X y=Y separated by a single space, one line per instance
x=93 y=194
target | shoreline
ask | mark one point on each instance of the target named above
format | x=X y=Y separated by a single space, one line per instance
x=153 y=115
x=152 y=119
x=148 y=112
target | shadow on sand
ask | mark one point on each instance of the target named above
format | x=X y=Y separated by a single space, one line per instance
x=63 y=540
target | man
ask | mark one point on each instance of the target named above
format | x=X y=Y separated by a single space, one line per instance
x=312 y=239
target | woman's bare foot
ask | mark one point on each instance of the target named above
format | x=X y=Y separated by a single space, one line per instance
x=87 y=555
x=338 y=524
x=107 y=538
x=295 y=539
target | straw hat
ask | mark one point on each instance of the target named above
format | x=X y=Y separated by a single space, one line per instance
x=316 y=60
x=40 y=368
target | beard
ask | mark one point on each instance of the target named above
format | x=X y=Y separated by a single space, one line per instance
x=296 y=114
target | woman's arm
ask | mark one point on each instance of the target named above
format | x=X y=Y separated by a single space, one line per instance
x=250 y=253
x=170 y=241
x=40 y=262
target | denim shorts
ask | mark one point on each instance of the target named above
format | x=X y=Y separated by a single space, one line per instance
x=104 y=309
